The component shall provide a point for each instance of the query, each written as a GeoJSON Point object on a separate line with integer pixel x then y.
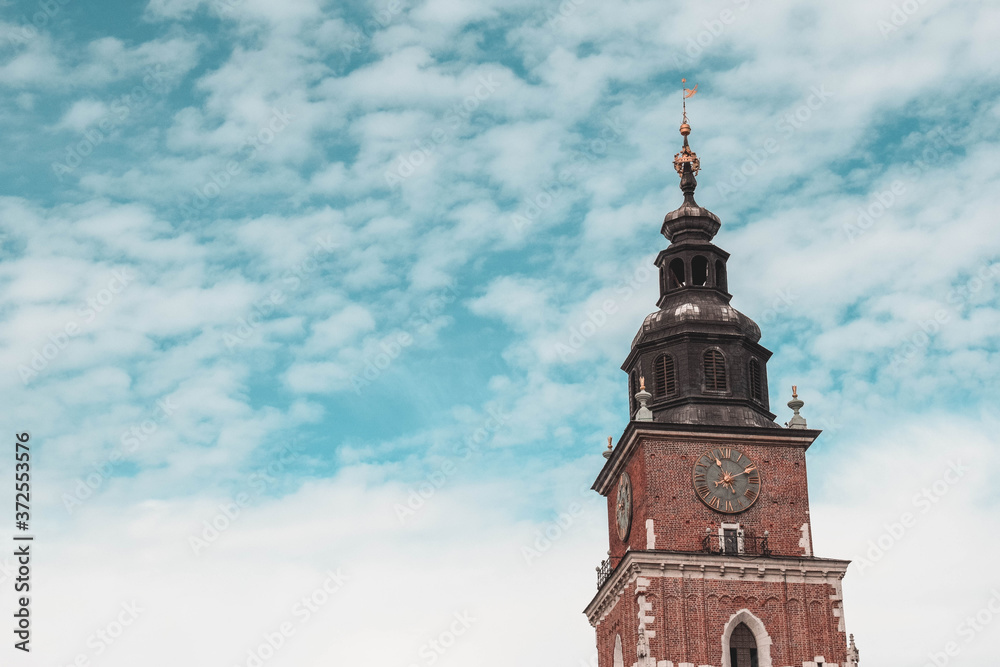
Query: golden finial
{"type": "Point", "coordinates": [686, 93]}
{"type": "Point", "coordinates": [642, 383]}
{"type": "Point", "coordinates": [609, 442]}
{"type": "Point", "coordinates": [686, 156]}
{"type": "Point", "coordinates": [607, 453]}
{"type": "Point", "coordinates": [795, 391]}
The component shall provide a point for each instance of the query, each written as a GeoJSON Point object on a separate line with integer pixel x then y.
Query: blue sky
{"type": "Point", "coordinates": [331, 255]}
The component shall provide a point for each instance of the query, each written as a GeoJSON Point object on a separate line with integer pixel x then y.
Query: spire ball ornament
{"type": "Point", "coordinates": [686, 156]}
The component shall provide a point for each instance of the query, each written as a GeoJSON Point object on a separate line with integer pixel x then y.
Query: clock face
{"type": "Point", "coordinates": [726, 480]}
{"type": "Point", "coordinates": [624, 506]}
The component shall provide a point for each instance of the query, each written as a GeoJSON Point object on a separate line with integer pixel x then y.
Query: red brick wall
{"type": "Point", "coordinates": [663, 490]}
{"type": "Point", "coordinates": [691, 615]}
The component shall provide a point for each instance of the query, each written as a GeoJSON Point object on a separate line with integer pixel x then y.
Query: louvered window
{"type": "Point", "coordinates": [664, 378]}
{"type": "Point", "coordinates": [756, 381]}
{"type": "Point", "coordinates": [715, 371]}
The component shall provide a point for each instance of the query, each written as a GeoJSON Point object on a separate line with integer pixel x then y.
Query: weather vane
{"type": "Point", "coordinates": [687, 92]}
{"type": "Point", "coordinates": [686, 156]}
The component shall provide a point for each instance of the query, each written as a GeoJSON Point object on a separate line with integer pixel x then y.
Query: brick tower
{"type": "Point", "coordinates": [711, 559]}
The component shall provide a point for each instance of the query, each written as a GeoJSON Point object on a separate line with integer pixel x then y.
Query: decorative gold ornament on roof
{"type": "Point", "coordinates": [686, 156]}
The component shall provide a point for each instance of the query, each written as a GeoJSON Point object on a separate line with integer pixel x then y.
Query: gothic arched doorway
{"type": "Point", "coordinates": [757, 646]}
{"type": "Point", "coordinates": [742, 647]}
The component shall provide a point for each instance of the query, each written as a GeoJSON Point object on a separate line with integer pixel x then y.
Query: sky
{"type": "Point", "coordinates": [305, 306]}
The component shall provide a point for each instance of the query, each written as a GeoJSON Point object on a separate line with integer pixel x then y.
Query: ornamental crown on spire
{"type": "Point", "coordinates": [686, 156]}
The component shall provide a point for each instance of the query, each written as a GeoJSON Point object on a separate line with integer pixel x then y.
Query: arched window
{"type": "Point", "coordinates": [676, 277]}
{"type": "Point", "coordinates": [720, 276]}
{"type": "Point", "coordinates": [742, 647]}
{"type": "Point", "coordinates": [633, 389]}
{"type": "Point", "coordinates": [664, 378]}
{"type": "Point", "coordinates": [699, 271]}
{"type": "Point", "coordinates": [756, 381]}
{"type": "Point", "coordinates": [715, 371]}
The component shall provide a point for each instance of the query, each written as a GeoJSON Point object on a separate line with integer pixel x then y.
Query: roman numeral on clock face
{"type": "Point", "coordinates": [726, 480]}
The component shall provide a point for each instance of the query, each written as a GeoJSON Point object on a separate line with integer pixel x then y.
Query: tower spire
{"type": "Point", "coordinates": [686, 163]}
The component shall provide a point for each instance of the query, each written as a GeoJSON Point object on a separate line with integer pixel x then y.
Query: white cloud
{"type": "Point", "coordinates": [437, 257]}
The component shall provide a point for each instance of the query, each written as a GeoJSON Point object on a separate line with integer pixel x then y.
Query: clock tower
{"type": "Point", "coordinates": [711, 559]}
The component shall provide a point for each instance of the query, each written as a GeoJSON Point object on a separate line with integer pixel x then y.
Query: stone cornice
{"type": "Point", "coordinates": [651, 564]}
{"type": "Point", "coordinates": [629, 440]}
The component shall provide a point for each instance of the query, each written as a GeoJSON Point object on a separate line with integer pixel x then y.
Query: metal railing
{"type": "Point", "coordinates": [733, 544]}
{"type": "Point", "coordinates": [730, 543]}
{"type": "Point", "coordinates": [604, 572]}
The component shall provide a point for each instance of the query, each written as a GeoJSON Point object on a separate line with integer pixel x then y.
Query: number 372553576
{"type": "Point", "coordinates": [22, 477]}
